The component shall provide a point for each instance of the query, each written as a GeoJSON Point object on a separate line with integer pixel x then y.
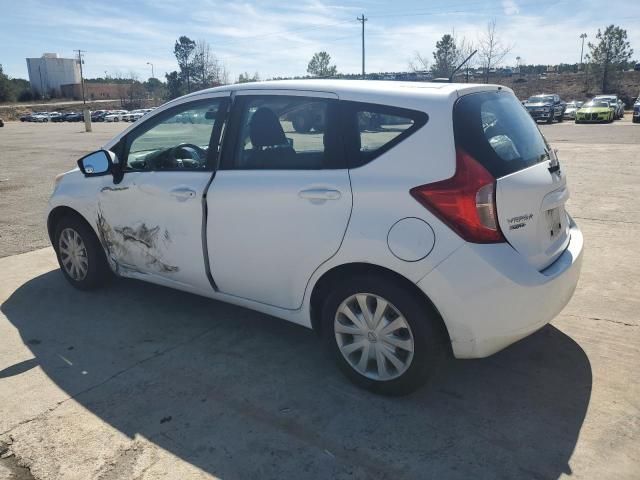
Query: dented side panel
{"type": "Point", "coordinates": [146, 230]}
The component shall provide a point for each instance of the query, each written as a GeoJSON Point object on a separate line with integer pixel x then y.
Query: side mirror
{"type": "Point", "coordinates": [96, 163]}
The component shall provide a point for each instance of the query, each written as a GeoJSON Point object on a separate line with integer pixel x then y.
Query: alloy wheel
{"type": "Point", "coordinates": [374, 337]}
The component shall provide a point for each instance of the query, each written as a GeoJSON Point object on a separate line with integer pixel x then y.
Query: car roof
{"type": "Point", "coordinates": [357, 86]}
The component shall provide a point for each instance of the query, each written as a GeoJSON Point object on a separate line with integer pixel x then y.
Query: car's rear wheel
{"type": "Point", "coordinates": [80, 255]}
{"type": "Point", "coordinates": [383, 337]}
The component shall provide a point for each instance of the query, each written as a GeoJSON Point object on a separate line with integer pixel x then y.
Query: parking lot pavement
{"type": "Point", "coordinates": [138, 381]}
{"type": "Point", "coordinates": [31, 155]}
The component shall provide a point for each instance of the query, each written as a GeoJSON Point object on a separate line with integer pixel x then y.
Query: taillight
{"type": "Point", "coordinates": [466, 202]}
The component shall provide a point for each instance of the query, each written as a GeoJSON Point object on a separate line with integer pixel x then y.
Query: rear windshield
{"type": "Point", "coordinates": [495, 129]}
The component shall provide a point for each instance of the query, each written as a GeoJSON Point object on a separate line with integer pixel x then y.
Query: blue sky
{"type": "Point", "coordinates": [277, 38]}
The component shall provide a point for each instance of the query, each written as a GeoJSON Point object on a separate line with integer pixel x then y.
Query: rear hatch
{"type": "Point", "coordinates": [531, 190]}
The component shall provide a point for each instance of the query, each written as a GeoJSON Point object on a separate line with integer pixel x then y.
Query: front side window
{"type": "Point", "coordinates": [279, 132]}
{"type": "Point", "coordinates": [178, 140]}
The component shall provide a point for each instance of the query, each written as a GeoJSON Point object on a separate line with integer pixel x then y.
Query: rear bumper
{"type": "Point", "coordinates": [489, 297]}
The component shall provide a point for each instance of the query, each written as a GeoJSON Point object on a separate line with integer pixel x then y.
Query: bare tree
{"type": "Point", "coordinates": [208, 71]}
{"type": "Point", "coordinates": [419, 63]}
{"type": "Point", "coordinates": [491, 49]}
{"type": "Point", "coordinates": [465, 49]}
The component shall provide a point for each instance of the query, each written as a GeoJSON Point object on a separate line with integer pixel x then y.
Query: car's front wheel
{"type": "Point", "coordinates": [80, 255]}
{"type": "Point", "coordinates": [383, 337]}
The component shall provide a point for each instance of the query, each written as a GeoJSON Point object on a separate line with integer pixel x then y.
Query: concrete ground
{"type": "Point", "coordinates": [138, 381]}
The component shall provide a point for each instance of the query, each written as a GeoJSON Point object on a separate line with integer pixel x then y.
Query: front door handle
{"type": "Point", "coordinates": [183, 193]}
{"type": "Point", "coordinates": [320, 194]}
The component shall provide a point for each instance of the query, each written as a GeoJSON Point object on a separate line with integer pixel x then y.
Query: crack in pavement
{"type": "Point", "coordinates": [618, 322]}
{"type": "Point", "coordinates": [607, 221]}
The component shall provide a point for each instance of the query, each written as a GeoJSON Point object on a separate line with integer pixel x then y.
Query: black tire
{"type": "Point", "coordinates": [550, 119]}
{"type": "Point", "coordinates": [302, 123]}
{"type": "Point", "coordinates": [561, 118]}
{"type": "Point", "coordinates": [98, 271]}
{"type": "Point", "coordinates": [430, 343]}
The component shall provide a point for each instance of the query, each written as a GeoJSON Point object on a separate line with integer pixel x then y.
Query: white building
{"type": "Point", "coordinates": [48, 72]}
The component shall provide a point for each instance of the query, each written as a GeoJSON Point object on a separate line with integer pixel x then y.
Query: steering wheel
{"type": "Point", "coordinates": [198, 155]}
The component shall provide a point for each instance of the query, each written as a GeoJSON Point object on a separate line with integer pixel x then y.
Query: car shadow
{"type": "Point", "coordinates": [243, 395]}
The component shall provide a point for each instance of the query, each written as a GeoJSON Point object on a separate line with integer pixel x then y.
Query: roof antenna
{"type": "Point", "coordinates": [462, 65]}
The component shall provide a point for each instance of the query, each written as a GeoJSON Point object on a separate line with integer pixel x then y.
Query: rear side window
{"type": "Point", "coordinates": [370, 129]}
{"type": "Point", "coordinates": [279, 132]}
{"type": "Point", "coordinates": [496, 130]}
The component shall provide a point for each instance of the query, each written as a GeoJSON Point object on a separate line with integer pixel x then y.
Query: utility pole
{"type": "Point", "coordinates": [362, 20]}
{"type": "Point", "coordinates": [583, 36]}
{"type": "Point", "coordinates": [80, 52]}
{"type": "Point", "coordinates": [152, 74]}
{"type": "Point", "coordinates": [41, 84]}
{"type": "Point", "coordinates": [87, 114]}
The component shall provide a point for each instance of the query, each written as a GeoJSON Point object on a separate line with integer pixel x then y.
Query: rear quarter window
{"type": "Point", "coordinates": [370, 129]}
{"type": "Point", "coordinates": [496, 130]}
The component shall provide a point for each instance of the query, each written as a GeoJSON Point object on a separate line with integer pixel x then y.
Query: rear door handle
{"type": "Point", "coordinates": [183, 193]}
{"type": "Point", "coordinates": [320, 194]}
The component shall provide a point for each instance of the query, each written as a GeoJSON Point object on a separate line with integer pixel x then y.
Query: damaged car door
{"type": "Point", "coordinates": [150, 221]}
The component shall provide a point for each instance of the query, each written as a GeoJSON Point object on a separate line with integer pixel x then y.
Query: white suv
{"type": "Point", "coordinates": [399, 220]}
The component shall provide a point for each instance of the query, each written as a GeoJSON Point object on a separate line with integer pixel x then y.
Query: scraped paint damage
{"type": "Point", "coordinates": [134, 245]}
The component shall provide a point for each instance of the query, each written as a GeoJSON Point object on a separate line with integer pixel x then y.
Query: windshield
{"type": "Point", "coordinates": [600, 104]}
{"type": "Point", "coordinates": [498, 132]}
{"type": "Point", "coordinates": [541, 99]}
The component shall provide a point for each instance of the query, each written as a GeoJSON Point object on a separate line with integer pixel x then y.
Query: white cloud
{"type": "Point", "coordinates": [510, 7]}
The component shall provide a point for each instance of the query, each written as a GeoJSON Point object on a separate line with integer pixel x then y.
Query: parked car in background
{"type": "Point", "coordinates": [27, 117]}
{"type": "Point", "coordinates": [1, 122]}
{"type": "Point", "coordinates": [74, 117]}
{"type": "Point", "coordinates": [595, 111]}
{"type": "Point", "coordinates": [571, 109]}
{"type": "Point", "coordinates": [636, 111]}
{"type": "Point", "coordinates": [132, 115]}
{"type": "Point", "coordinates": [340, 230]}
{"type": "Point", "coordinates": [547, 107]}
{"type": "Point", "coordinates": [98, 115]}
{"type": "Point", "coordinates": [44, 117]}
{"type": "Point", "coordinates": [616, 104]}
{"type": "Point", "coordinates": [57, 117]}
{"type": "Point", "coordinates": [115, 115]}
{"type": "Point", "coordinates": [32, 116]}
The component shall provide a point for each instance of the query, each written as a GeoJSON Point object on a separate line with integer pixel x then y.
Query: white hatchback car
{"type": "Point", "coordinates": [398, 220]}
